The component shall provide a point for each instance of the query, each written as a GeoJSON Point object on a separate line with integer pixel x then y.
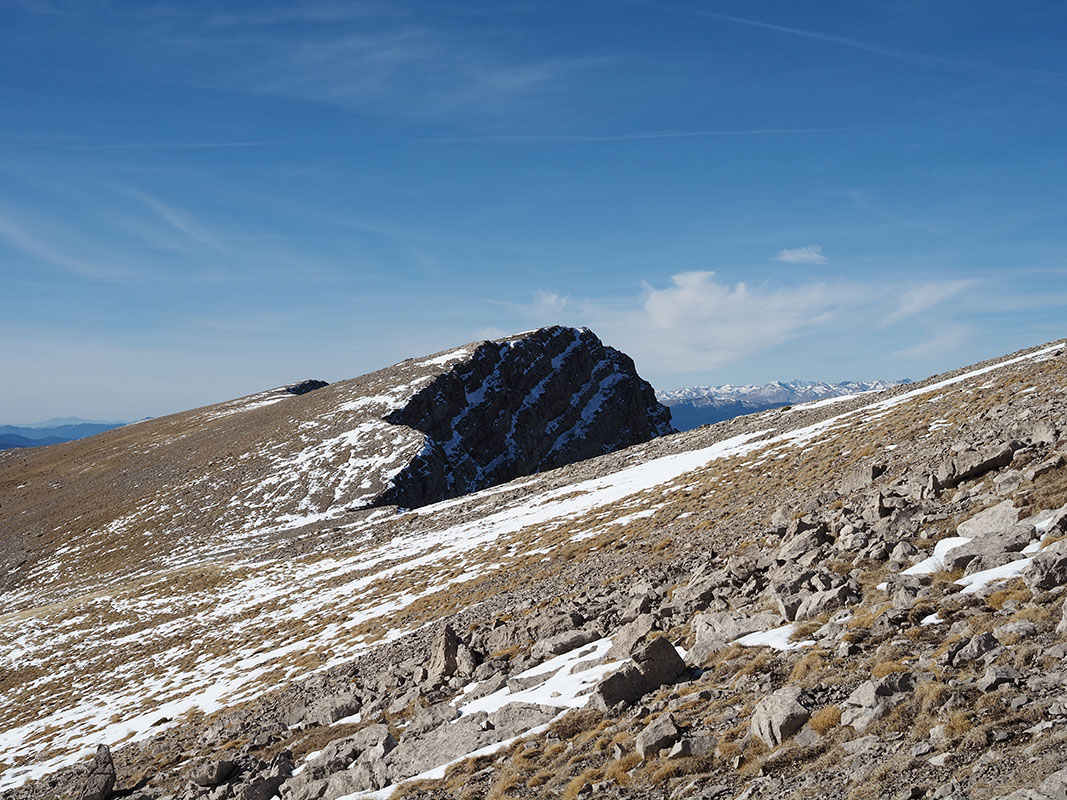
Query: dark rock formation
{"type": "Point", "coordinates": [304, 387]}
{"type": "Point", "coordinates": [522, 405]}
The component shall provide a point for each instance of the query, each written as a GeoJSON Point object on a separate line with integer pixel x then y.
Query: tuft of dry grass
{"type": "Point", "coordinates": [888, 668]}
{"type": "Point", "coordinates": [824, 719]}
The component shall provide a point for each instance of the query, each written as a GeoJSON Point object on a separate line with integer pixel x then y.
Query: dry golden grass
{"type": "Point", "coordinates": [888, 668]}
{"type": "Point", "coordinates": [807, 668]}
{"type": "Point", "coordinates": [825, 718]}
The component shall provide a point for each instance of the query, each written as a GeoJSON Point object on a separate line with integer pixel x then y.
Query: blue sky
{"type": "Point", "coordinates": [200, 200]}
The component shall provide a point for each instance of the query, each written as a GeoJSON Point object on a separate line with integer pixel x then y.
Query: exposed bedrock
{"type": "Point", "coordinates": [521, 405]}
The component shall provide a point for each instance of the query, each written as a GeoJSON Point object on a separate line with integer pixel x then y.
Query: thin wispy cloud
{"type": "Point", "coordinates": [700, 323]}
{"type": "Point", "coordinates": [808, 254]}
{"type": "Point", "coordinates": [925, 297]}
{"type": "Point", "coordinates": [550, 302]}
{"type": "Point", "coordinates": [56, 145]}
{"type": "Point", "coordinates": [176, 218]}
{"type": "Point", "coordinates": [872, 47]}
{"type": "Point", "coordinates": [697, 322]}
{"type": "Point", "coordinates": [941, 343]}
{"type": "Point", "coordinates": [19, 236]}
{"type": "Point", "coordinates": [639, 136]}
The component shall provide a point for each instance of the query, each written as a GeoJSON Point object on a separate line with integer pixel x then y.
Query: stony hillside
{"type": "Point", "coordinates": [237, 476]}
{"type": "Point", "coordinates": [856, 600]}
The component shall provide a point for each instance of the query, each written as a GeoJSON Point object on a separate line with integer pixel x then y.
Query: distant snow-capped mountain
{"type": "Point", "coordinates": [694, 406]}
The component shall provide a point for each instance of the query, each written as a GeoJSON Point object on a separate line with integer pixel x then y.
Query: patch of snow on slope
{"type": "Point", "coordinates": [777, 638]}
{"type": "Point", "coordinates": [564, 688]}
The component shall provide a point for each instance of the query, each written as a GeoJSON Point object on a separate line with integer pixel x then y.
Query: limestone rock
{"type": "Point", "coordinates": [629, 635]}
{"type": "Point", "coordinates": [1048, 569]}
{"type": "Point", "coordinates": [655, 663]}
{"type": "Point", "coordinates": [975, 648]}
{"type": "Point", "coordinates": [997, 518]}
{"type": "Point", "coordinates": [211, 772]}
{"type": "Point", "coordinates": [780, 715]}
{"type": "Point", "coordinates": [304, 387]}
{"type": "Point", "coordinates": [996, 677]}
{"type": "Point", "coordinates": [660, 734]}
{"type": "Point", "coordinates": [443, 656]}
{"type": "Point", "coordinates": [516, 718]}
{"type": "Point", "coordinates": [872, 699]}
{"type": "Point", "coordinates": [101, 778]}
{"type": "Point", "coordinates": [971, 463]}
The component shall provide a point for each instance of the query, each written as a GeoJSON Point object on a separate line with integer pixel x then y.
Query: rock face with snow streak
{"type": "Point", "coordinates": [519, 406]}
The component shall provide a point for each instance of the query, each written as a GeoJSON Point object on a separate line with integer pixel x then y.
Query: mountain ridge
{"type": "Point", "coordinates": [782, 554]}
{"type": "Point", "coordinates": [694, 406]}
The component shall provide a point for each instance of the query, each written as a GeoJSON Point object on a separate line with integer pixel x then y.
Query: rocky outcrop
{"type": "Point", "coordinates": [522, 405]}
{"type": "Point", "coordinates": [304, 387]}
{"type": "Point", "coordinates": [101, 778]}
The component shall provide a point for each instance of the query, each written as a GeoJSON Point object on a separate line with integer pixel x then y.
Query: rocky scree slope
{"type": "Point", "coordinates": [850, 601]}
{"type": "Point", "coordinates": [232, 476]}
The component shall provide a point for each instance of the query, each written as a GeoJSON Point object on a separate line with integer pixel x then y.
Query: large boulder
{"type": "Point", "coordinates": [441, 745]}
{"type": "Point", "coordinates": [211, 772]}
{"type": "Point", "coordinates": [658, 735]}
{"type": "Point", "coordinates": [629, 635]}
{"type": "Point", "coordinates": [972, 463]}
{"type": "Point", "coordinates": [1048, 568]}
{"type": "Point", "coordinates": [997, 518]}
{"type": "Point", "coordinates": [829, 600]}
{"type": "Point", "coordinates": [101, 778]}
{"type": "Point", "coordinates": [874, 698]}
{"type": "Point", "coordinates": [529, 403]}
{"type": "Point", "coordinates": [654, 663]}
{"type": "Point", "coordinates": [780, 715]}
{"type": "Point", "coordinates": [714, 629]}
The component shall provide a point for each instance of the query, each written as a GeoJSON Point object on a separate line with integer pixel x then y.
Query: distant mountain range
{"type": "Point", "coordinates": [703, 405]}
{"type": "Point", "coordinates": [52, 431]}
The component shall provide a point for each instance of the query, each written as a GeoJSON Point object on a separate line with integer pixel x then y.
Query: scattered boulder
{"type": "Point", "coordinates": [780, 715]}
{"type": "Point", "coordinates": [565, 642]}
{"type": "Point", "coordinates": [660, 734]}
{"type": "Point", "coordinates": [514, 719]}
{"type": "Point", "coordinates": [995, 677]}
{"type": "Point", "coordinates": [972, 463]}
{"type": "Point", "coordinates": [654, 663]}
{"type": "Point", "coordinates": [211, 772]}
{"type": "Point", "coordinates": [441, 745]}
{"type": "Point", "coordinates": [873, 699]}
{"type": "Point", "coordinates": [101, 778]}
{"type": "Point", "coordinates": [629, 635]}
{"type": "Point", "coordinates": [690, 746]}
{"type": "Point", "coordinates": [861, 477]}
{"type": "Point", "coordinates": [829, 600]}
{"type": "Point", "coordinates": [997, 518]}
{"type": "Point", "coordinates": [975, 648]}
{"type": "Point", "coordinates": [1054, 787]}
{"type": "Point", "coordinates": [713, 630]}
{"type": "Point", "coordinates": [1048, 568]}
